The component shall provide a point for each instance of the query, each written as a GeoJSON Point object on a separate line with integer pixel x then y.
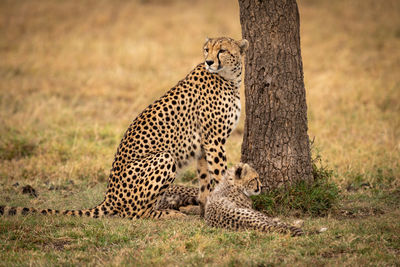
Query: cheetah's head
{"type": "Point", "coordinates": [223, 55]}
{"type": "Point", "coordinates": [247, 179]}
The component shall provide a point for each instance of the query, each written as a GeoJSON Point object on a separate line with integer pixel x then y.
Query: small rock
{"type": "Point", "coordinates": [323, 229]}
{"type": "Point", "coordinates": [16, 184]}
{"type": "Point", "coordinates": [29, 190]}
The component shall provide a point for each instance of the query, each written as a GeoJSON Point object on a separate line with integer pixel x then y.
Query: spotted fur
{"type": "Point", "coordinates": [178, 196]}
{"type": "Point", "coordinates": [229, 205]}
{"type": "Point", "coordinates": [192, 120]}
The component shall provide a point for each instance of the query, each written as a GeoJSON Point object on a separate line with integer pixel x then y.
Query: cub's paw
{"type": "Point", "coordinates": [190, 210]}
{"type": "Point", "coordinates": [171, 214]}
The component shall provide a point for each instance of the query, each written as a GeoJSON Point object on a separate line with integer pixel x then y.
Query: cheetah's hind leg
{"type": "Point", "coordinates": [143, 182]}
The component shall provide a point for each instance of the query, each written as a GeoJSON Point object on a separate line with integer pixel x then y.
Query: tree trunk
{"type": "Point", "coordinates": [275, 138]}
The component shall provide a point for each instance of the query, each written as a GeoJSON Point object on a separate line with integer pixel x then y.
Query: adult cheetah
{"type": "Point", "coordinates": [192, 120]}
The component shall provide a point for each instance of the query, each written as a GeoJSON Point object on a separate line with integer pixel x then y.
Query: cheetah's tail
{"type": "Point", "coordinates": [295, 231]}
{"type": "Point", "coordinates": [96, 212]}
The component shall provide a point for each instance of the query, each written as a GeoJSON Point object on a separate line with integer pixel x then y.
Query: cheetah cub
{"type": "Point", "coordinates": [229, 205]}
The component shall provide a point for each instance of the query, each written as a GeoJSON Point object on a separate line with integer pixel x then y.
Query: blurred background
{"type": "Point", "coordinates": [73, 74]}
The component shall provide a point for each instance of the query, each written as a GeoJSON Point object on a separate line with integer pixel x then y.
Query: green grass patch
{"type": "Point", "coordinates": [315, 198]}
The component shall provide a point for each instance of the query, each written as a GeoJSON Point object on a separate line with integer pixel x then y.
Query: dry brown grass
{"type": "Point", "coordinates": [73, 75]}
{"type": "Point", "coordinates": [351, 65]}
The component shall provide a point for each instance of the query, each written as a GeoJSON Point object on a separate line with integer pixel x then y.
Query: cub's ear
{"type": "Point", "coordinates": [207, 39]}
{"type": "Point", "coordinates": [241, 170]}
{"type": "Point", "coordinates": [238, 172]}
{"type": "Point", "coordinates": [243, 45]}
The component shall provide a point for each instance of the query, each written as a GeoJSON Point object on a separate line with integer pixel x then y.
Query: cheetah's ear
{"type": "Point", "coordinates": [207, 39]}
{"type": "Point", "coordinates": [243, 45]}
{"type": "Point", "coordinates": [238, 172]}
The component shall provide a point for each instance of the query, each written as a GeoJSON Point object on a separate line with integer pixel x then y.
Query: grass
{"type": "Point", "coordinates": [44, 241]}
{"type": "Point", "coordinates": [15, 145]}
{"type": "Point", "coordinates": [74, 76]}
{"type": "Point", "coordinates": [318, 198]}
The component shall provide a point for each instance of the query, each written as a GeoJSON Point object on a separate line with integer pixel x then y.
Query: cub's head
{"type": "Point", "coordinates": [223, 55]}
{"type": "Point", "coordinates": [247, 179]}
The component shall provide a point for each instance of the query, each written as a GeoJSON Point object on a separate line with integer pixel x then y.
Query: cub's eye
{"type": "Point", "coordinates": [253, 183]}
{"type": "Point", "coordinates": [206, 50]}
{"type": "Point", "coordinates": [222, 50]}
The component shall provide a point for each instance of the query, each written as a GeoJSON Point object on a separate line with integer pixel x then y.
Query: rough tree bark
{"type": "Point", "coordinates": [275, 138]}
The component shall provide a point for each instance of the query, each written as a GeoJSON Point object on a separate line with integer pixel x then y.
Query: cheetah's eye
{"type": "Point", "coordinates": [206, 50]}
{"type": "Point", "coordinates": [222, 50]}
{"type": "Point", "coordinates": [253, 183]}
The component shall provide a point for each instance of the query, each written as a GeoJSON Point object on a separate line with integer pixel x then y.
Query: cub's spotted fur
{"type": "Point", "coordinates": [229, 205]}
{"type": "Point", "coordinates": [192, 120]}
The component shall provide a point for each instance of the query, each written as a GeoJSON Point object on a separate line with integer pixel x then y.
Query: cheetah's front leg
{"type": "Point", "coordinates": [204, 182]}
{"type": "Point", "coordinates": [211, 167]}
